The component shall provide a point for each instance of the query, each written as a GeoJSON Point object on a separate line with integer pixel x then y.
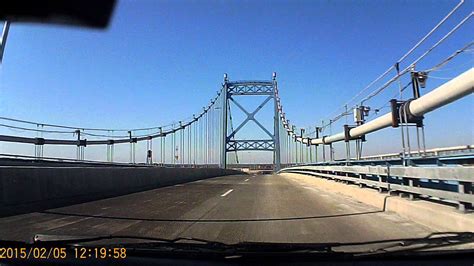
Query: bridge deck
{"type": "Point", "coordinates": [269, 208]}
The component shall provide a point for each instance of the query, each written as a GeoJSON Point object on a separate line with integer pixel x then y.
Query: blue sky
{"type": "Point", "coordinates": [161, 61]}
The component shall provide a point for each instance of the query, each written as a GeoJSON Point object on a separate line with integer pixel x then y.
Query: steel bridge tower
{"type": "Point", "coordinates": [250, 88]}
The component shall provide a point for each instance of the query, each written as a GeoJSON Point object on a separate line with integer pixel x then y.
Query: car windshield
{"type": "Point", "coordinates": [236, 127]}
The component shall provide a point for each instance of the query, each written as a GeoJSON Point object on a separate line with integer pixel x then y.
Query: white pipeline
{"type": "Point", "coordinates": [451, 91]}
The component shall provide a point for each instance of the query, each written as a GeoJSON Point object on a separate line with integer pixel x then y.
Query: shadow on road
{"type": "Point", "coordinates": [209, 220]}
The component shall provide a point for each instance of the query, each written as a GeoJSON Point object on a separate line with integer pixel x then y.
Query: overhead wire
{"type": "Point", "coordinates": [37, 130]}
{"type": "Point", "coordinates": [449, 58]}
{"type": "Point", "coordinates": [421, 41]}
{"type": "Point", "coordinates": [106, 129]}
{"type": "Point", "coordinates": [407, 70]}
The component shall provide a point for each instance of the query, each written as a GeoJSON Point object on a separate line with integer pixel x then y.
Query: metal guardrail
{"type": "Point", "coordinates": [445, 183]}
{"type": "Point", "coordinates": [458, 150]}
{"type": "Point", "coordinates": [25, 160]}
{"type": "Point", "coordinates": [458, 155]}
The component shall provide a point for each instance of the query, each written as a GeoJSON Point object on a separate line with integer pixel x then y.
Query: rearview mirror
{"type": "Point", "coordinates": [85, 13]}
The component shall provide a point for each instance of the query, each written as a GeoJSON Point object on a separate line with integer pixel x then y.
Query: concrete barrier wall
{"type": "Point", "coordinates": [441, 218]}
{"type": "Point", "coordinates": [40, 187]}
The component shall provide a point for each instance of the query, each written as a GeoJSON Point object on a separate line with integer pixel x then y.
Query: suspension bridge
{"type": "Point", "coordinates": [187, 180]}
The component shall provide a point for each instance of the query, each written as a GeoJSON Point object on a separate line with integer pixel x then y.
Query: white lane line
{"type": "Point", "coordinates": [227, 193]}
{"type": "Point", "coordinates": [246, 180]}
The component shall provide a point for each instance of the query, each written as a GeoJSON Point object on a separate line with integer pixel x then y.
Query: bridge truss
{"type": "Point", "coordinates": [231, 92]}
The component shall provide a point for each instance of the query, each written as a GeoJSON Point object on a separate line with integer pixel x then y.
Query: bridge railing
{"type": "Point", "coordinates": [458, 150]}
{"type": "Point", "coordinates": [445, 184]}
{"type": "Point", "coordinates": [25, 160]}
{"type": "Point", "coordinates": [457, 155]}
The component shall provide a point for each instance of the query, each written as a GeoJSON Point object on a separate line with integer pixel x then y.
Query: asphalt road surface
{"type": "Point", "coordinates": [263, 208]}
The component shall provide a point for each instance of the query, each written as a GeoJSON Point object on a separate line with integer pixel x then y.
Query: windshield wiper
{"type": "Point", "coordinates": [185, 244]}
{"type": "Point", "coordinates": [432, 242]}
{"type": "Point", "coordinates": [74, 239]}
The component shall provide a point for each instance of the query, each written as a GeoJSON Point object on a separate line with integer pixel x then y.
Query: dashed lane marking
{"type": "Point", "coordinates": [227, 193]}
